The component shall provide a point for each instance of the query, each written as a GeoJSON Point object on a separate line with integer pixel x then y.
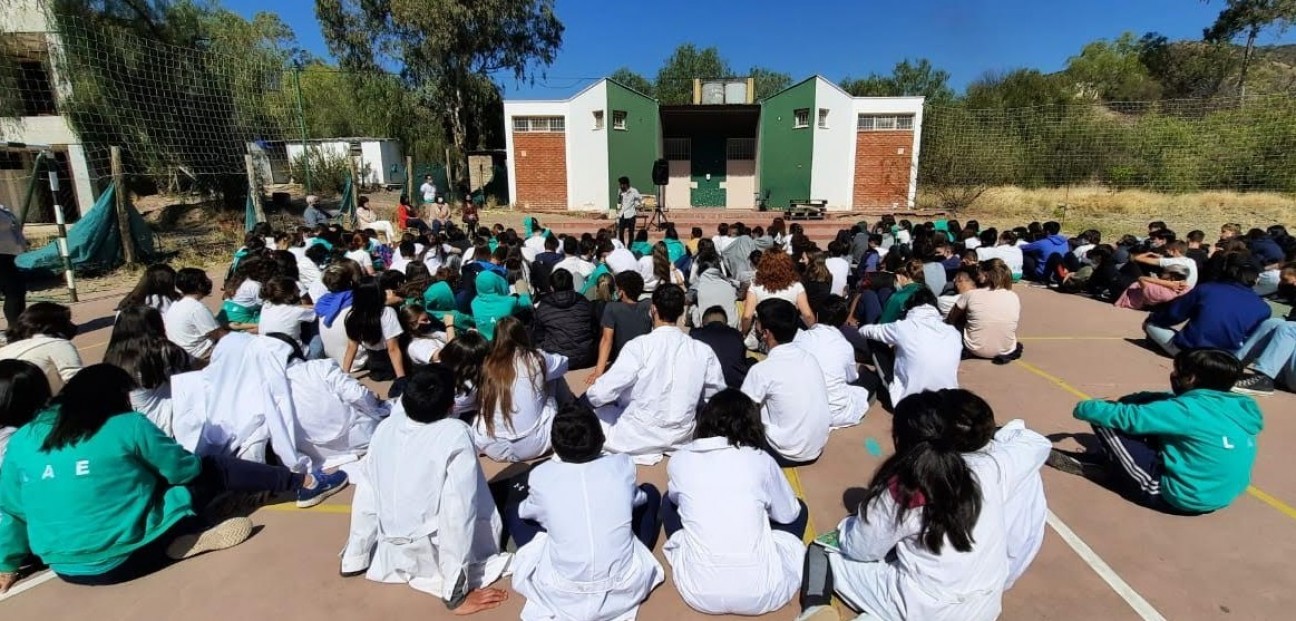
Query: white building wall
{"type": "Point", "coordinates": [379, 156]}
{"type": "Point", "coordinates": [587, 150]}
{"type": "Point", "coordinates": [833, 169]}
{"type": "Point", "coordinates": [894, 105]}
{"type": "Point", "coordinates": [23, 16]}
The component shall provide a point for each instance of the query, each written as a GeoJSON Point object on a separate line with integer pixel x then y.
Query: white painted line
{"type": "Point", "coordinates": [29, 582]}
{"type": "Point", "coordinates": [1104, 571]}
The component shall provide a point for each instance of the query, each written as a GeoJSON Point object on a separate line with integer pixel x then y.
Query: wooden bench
{"type": "Point", "coordinates": [807, 209]}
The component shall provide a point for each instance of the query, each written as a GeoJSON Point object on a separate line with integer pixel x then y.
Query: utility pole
{"type": "Point", "coordinates": [301, 121]}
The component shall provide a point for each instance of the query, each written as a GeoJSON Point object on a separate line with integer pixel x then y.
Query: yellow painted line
{"type": "Point", "coordinates": [92, 345]}
{"type": "Point", "coordinates": [794, 480]}
{"type": "Point", "coordinates": [1255, 492]}
{"type": "Point", "coordinates": [1070, 338]}
{"type": "Point", "coordinates": [291, 508]}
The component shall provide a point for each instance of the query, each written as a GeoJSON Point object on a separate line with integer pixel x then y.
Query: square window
{"type": "Point", "coordinates": [521, 124]}
{"type": "Point", "coordinates": [557, 124]}
{"type": "Point", "coordinates": [618, 119]}
{"type": "Point", "coordinates": [598, 119]}
{"type": "Point", "coordinates": [865, 123]}
{"type": "Point", "coordinates": [884, 123]}
{"type": "Point", "coordinates": [801, 118]}
{"type": "Point", "coordinates": [905, 122]}
{"type": "Point", "coordinates": [823, 118]}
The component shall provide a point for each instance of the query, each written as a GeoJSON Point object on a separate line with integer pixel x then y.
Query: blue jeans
{"type": "Point", "coordinates": [1162, 338]}
{"type": "Point", "coordinates": [1272, 348]}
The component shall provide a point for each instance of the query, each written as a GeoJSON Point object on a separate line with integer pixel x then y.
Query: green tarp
{"type": "Point", "coordinates": [94, 242]}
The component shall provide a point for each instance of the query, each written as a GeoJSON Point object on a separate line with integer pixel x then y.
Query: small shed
{"type": "Point", "coordinates": [380, 160]}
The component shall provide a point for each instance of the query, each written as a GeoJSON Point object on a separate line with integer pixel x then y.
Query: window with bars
{"type": "Point", "coordinates": [35, 89]}
{"type": "Point", "coordinates": [539, 124]}
{"type": "Point", "coordinates": [801, 118]}
{"type": "Point", "coordinates": [618, 119]}
{"type": "Point", "coordinates": [740, 149]}
{"type": "Point", "coordinates": [823, 118]}
{"type": "Point", "coordinates": [885, 122]}
{"type": "Point", "coordinates": [680, 149]}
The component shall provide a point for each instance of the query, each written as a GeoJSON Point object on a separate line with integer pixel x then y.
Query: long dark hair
{"type": "Point", "coordinates": [465, 355]}
{"type": "Point", "coordinates": [43, 318]}
{"type": "Point", "coordinates": [732, 415]}
{"type": "Point", "coordinates": [24, 391]}
{"type": "Point", "coordinates": [364, 323]}
{"type": "Point", "coordinates": [140, 347]}
{"type": "Point", "coordinates": [500, 370]}
{"type": "Point", "coordinates": [931, 431]}
{"type": "Point", "coordinates": [94, 395]}
{"type": "Point", "coordinates": [157, 280]}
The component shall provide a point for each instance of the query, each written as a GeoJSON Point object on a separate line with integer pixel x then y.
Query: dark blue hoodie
{"type": "Point", "coordinates": [1045, 248]}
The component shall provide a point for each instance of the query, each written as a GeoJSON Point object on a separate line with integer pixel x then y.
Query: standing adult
{"type": "Point", "coordinates": [630, 202]}
{"type": "Point", "coordinates": [12, 244]}
{"type": "Point", "coordinates": [428, 190]}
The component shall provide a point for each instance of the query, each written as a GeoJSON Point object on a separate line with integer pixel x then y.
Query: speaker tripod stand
{"type": "Point", "coordinates": [659, 220]}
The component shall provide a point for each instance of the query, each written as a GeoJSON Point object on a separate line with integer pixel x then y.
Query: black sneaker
{"type": "Point", "coordinates": [1075, 463]}
{"type": "Point", "coordinates": [1258, 385]}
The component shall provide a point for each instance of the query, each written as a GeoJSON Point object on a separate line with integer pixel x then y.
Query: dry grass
{"type": "Point", "coordinates": [1128, 211]}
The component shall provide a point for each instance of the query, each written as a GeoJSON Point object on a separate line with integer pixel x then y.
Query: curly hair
{"type": "Point", "coordinates": [776, 272]}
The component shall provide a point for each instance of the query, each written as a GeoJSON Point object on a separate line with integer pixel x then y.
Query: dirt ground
{"type": "Point", "coordinates": [1103, 558]}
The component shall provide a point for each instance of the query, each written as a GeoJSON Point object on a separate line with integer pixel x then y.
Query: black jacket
{"type": "Point", "coordinates": [565, 324]}
{"type": "Point", "coordinates": [727, 343]}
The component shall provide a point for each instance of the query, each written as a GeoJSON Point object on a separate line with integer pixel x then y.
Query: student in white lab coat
{"type": "Point", "coordinates": [847, 401]}
{"type": "Point", "coordinates": [789, 386]}
{"type": "Point", "coordinates": [935, 535]}
{"type": "Point", "coordinates": [733, 524]}
{"type": "Point", "coordinates": [927, 350]}
{"type": "Point", "coordinates": [422, 513]}
{"type": "Point", "coordinates": [516, 401]}
{"type": "Point", "coordinates": [585, 531]}
{"type": "Point", "coordinates": [649, 397]}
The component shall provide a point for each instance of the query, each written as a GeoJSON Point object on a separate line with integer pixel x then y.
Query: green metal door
{"type": "Point", "coordinates": [708, 171]}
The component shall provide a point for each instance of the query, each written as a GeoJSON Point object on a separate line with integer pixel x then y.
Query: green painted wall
{"type": "Point", "coordinates": [632, 151]}
{"type": "Point", "coordinates": [708, 159]}
{"type": "Point", "coordinates": [786, 151]}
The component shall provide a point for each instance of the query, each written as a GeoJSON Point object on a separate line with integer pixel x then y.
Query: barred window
{"type": "Point", "coordinates": [885, 122]}
{"type": "Point", "coordinates": [539, 124]}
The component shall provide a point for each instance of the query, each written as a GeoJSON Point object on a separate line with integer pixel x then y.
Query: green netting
{"type": "Point", "coordinates": [344, 215]}
{"type": "Point", "coordinates": [94, 242]}
{"type": "Point", "coordinates": [249, 215]}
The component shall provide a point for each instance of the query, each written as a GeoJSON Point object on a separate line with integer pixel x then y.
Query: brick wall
{"type": "Point", "coordinates": [540, 161]}
{"type": "Point", "coordinates": [882, 166]}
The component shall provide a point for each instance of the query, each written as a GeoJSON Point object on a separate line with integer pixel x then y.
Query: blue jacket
{"type": "Point", "coordinates": [1045, 248]}
{"type": "Point", "coordinates": [1220, 315]}
{"type": "Point", "coordinates": [1267, 250]}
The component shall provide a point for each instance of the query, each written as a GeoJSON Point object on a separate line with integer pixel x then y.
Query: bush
{"type": "Point", "coordinates": [329, 170]}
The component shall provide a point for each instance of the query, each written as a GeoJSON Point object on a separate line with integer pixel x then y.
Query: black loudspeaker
{"type": "Point", "coordinates": [661, 172]}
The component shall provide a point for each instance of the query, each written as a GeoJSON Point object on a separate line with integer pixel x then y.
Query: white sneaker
{"type": "Point", "coordinates": [225, 535]}
{"type": "Point", "coordinates": [819, 613]}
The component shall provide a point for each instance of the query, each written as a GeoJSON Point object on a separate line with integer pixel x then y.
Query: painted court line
{"type": "Point", "coordinates": [1070, 338]}
{"type": "Point", "coordinates": [30, 582]}
{"type": "Point", "coordinates": [794, 480]}
{"type": "Point", "coordinates": [1253, 491]}
{"type": "Point", "coordinates": [1104, 571]}
{"type": "Point", "coordinates": [290, 508]}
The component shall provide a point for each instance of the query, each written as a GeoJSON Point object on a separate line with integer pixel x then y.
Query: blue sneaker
{"type": "Point", "coordinates": [325, 485]}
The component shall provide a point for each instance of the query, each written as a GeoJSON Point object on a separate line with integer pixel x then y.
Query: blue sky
{"type": "Point", "coordinates": [837, 38]}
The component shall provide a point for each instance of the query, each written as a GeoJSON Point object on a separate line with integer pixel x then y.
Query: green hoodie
{"type": "Point", "coordinates": [1207, 438]}
{"type": "Point", "coordinates": [894, 308]}
{"type": "Point", "coordinates": [494, 302]}
{"type": "Point", "coordinates": [439, 301]}
{"type": "Point", "coordinates": [85, 508]}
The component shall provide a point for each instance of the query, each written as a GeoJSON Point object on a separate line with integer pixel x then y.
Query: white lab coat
{"type": "Point", "coordinates": [533, 410]}
{"type": "Point", "coordinates": [648, 399]}
{"type": "Point", "coordinates": [727, 559]}
{"type": "Point", "coordinates": [847, 403]}
{"type": "Point", "coordinates": [422, 513]}
{"type": "Point", "coordinates": [952, 585]}
{"type": "Point", "coordinates": [789, 386]}
{"type": "Point", "coordinates": [1027, 507]}
{"type": "Point", "coordinates": [155, 404]}
{"type": "Point", "coordinates": [587, 565]}
{"type": "Point", "coordinates": [927, 351]}
{"type": "Point", "coordinates": [336, 414]}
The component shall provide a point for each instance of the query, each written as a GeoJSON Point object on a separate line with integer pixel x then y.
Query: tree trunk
{"type": "Point", "coordinates": [1246, 60]}
{"type": "Point", "coordinates": [459, 134]}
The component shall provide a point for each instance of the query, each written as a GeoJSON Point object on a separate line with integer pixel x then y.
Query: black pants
{"type": "Point", "coordinates": [218, 474]}
{"type": "Point", "coordinates": [626, 230]}
{"type": "Point", "coordinates": [13, 288]}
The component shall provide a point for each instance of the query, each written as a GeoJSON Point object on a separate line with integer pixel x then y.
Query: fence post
{"type": "Point", "coordinates": [355, 190]}
{"type": "Point", "coordinates": [409, 179]}
{"type": "Point", "coordinates": [62, 232]}
{"type": "Point", "coordinates": [301, 120]}
{"type": "Point", "coordinates": [450, 182]}
{"type": "Point", "coordinates": [119, 198]}
{"type": "Point", "coordinates": [254, 188]}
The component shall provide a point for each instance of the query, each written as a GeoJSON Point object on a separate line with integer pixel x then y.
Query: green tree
{"type": "Point", "coordinates": [686, 63]}
{"type": "Point", "coordinates": [768, 81]}
{"type": "Point", "coordinates": [632, 80]}
{"type": "Point", "coordinates": [1112, 71]}
{"type": "Point", "coordinates": [449, 51]}
{"type": "Point", "coordinates": [1020, 88]}
{"type": "Point", "coordinates": [1185, 69]}
{"type": "Point", "coordinates": [1249, 18]}
{"type": "Point", "coordinates": [907, 79]}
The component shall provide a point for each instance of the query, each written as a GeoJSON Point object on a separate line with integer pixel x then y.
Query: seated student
{"type": "Point", "coordinates": [727, 344]}
{"type": "Point", "coordinates": [1272, 347]}
{"type": "Point", "coordinates": [656, 268]}
{"type": "Point", "coordinates": [964, 280]}
{"type": "Point", "coordinates": [494, 302]}
{"type": "Point", "coordinates": [188, 323]}
{"type": "Point", "coordinates": [927, 350]}
{"type": "Point", "coordinates": [439, 302]}
{"type": "Point", "coordinates": [909, 279]}
{"type": "Point", "coordinates": [648, 399]}
{"type": "Point", "coordinates": [424, 338]}
{"type": "Point", "coordinates": [156, 288]}
{"type": "Point", "coordinates": [1038, 253]}
{"type": "Point", "coordinates": [847, 402]}
{"type": "Point", "coordinates": [734, 527]}
{"type": "Point", "coordinates": [584, 529]}
{"type": "Point", "coordinates": [1175, 254]}
{"type": "Point", "coordinates": [90, 446]}
{"type": "Point", "coordinates": [988, 316]}
{"type": "Point", "coordinates": [574, 262]}
{"type": "Point", "coordinates": [1007, 250]}
{"type": "Point", "coordinates": [24, 393]}
{"type": "Point", "coordinates": [948, 523]}
{"type": "Point", "coordinates": [709, 287]}
{"type": "Point", "coordinates": [283, 311]}
{"type": "Point", "coordinates": [640, 247]}
{"type": "Point", "coordinates": [465, 356]}
{"type": "Point", "coordinates": [1190, 452]}
{"type": "Point", "coordinates": [516, 396]}
{"type": "Point", "coordinates": [564, 323]}
{"type": "Point", "coordinates": [140, 347]}
{"type": "Point", "coordinates": [242, 305]}
{"type": "Point", "coordinates": [422, 513]}
{"type": "Point", "coordinates": [373, 326]}
{"type": "Point", "coordinates": [1219, 315]}
{"type": "Point", "coordinates": [623, 320]}
{"type": "Point", "coordinates": [788, 385]}
{"type": "Point", "coordinates": [1152, 291]}
{"type": "Point", "coordinates": [43, 336]}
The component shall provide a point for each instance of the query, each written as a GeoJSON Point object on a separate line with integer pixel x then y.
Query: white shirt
{"type": "Point", "coordinates": [840, 270]}
{"type": "Point", "coordinates": [721, 242]}
{"type": "Point", "coordinates": [535, 243]}
{"type": "Point", "coordinates": [587, 563]}
{"type": "Point", "coordinates": [308, 273]}
{"type": "Point", "coordinates": [58, 358]}
{"type": "Point", "coordinates": [847, 404]}
{"type": "Point", "coordinates": [429, 191]}
{"type": "Point", "coordinates": [971, 243]}
{"type": "Point", "coordinates": [285, 319]}
{"type": "Point", "coordinates": [1186, 262]}
{"type": "Point", "coordinates": [927, 351]}
{"type": "Point", "coordinates": [789, 386]}
{"type": "Point", "coordinates": [363, 258]}
{"type": "Point", "coordinates": [631, 201]}
{"type": "Point", "coordinates": [423, 350]}
{"type": "Point", "coordinates": [187, 324]}
{"type": "Point", "coordinates": [390, 323]}
{"type": "Point", "coordinates": [952, 585]}
{"type": "Point", "coordinates": [727, 559]}
{"type": "Point", "coordinates": [248, 294]}
{"type": "Point", "coordinates": [335, 342]}
{"type": "Point", "coordinates": [579, 268]}
{"type": "Point", "coordinates": [652, 392]}
{"type": "Point", "coordinates": [422, 513]}
{"type": "Point", "coordinates": [399, 263]}
{"type": "Point", "coordinates": [533, 410]}
{"type": "Point", "coordinates": [1010, 255]}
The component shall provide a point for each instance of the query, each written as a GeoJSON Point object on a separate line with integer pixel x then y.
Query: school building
{"type": "Point", "coordinates": [809, 143]}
